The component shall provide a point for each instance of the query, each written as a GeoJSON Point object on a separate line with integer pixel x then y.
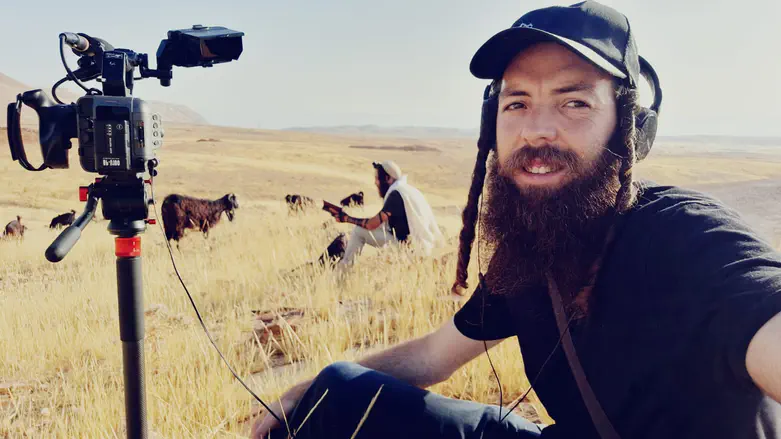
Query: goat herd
{"type": "Point", "coordinates": [180, 212]}
{"type": "Point", "coordinates": [297, 202]}
{"type": "Point", "coordinates": [15, 228]}
{"type": "Point", "coordinates": [335, 250]}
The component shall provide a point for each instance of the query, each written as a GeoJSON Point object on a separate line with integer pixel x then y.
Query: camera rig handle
{"type": "Point", "coordinates": [56, 126]}
{"type": "Point", "coordinates": [68, 238]}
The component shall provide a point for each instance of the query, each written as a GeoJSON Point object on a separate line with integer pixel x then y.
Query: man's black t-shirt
{"type": "Point", "coordinates": [398, 216]}
{"type": "Point", "coordinates": [684, 287]}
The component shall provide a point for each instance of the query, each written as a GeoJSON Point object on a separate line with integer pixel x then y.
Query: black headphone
{"type": "Point", "coordinates": [646, 119]}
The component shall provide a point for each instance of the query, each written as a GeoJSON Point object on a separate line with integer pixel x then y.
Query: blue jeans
{"type": "Point", "coordinates": [401, 411]}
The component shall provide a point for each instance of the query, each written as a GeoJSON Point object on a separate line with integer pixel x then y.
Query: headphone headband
{"type": "Point", "coordinates": [648, 72]}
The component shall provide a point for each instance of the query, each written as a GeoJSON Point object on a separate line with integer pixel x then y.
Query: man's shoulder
{"type": "Point", "coordinates": [395, 196]}
{"type": "Point", "coordinates": [670, 210]}
{"type": "Point", "coordinates": [394, 201]}
{"type": "Point", "coordinates": [652, 196]}
{"type": "Point", "coordinates": [657, 201]}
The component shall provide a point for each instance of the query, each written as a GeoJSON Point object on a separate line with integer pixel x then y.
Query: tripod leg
{"type": "Point", "coordinates": [131, 329]}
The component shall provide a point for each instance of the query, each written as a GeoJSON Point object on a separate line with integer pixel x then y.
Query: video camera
{"type": "Point", "coordinates": [117, 133]}
{"type": "Point", "coordinates": [118, 137]}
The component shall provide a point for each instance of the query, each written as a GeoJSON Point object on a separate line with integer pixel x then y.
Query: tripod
{"type": "Point", "coordinates": [125, 205]}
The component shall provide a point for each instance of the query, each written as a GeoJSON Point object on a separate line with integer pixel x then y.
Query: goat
{"type": "Point", "coordinates": [64, 219]}
{"type": "Point", "coordinates": [180, 212]}
{"type": "Point", "coordinates": [297, 203]}
{"type": "Point", "coordinates": [334, 251]}
{"type": "Point", "coordinates": [355, 199]}
{"type": "Point", "coordinates": [332, 254]}
{"type": "Point", "coordinates": [15, 228]}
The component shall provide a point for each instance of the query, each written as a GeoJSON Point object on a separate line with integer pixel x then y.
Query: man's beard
{"type": "Point", "coordinates": [383, 188]}
{"type": "Point", "coordinates": [533, 230]}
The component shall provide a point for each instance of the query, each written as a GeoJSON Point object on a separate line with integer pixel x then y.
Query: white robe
{"type": "Point", "coordinates": [423, 228]}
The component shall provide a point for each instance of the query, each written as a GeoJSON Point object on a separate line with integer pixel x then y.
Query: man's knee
{"type": "Point", "coordinates": [338, 373]}
{"type": "Point", "coordinates": [359, 231]}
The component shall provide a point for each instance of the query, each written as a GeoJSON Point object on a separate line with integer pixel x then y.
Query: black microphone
{"type": "Point", "coordinates": [76, 41]}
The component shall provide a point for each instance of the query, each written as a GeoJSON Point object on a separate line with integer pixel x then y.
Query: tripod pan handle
{"type": "Point", "coordinates": [63, 244]}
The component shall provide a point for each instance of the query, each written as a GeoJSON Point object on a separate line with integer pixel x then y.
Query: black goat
{"type": "Point", "coordinates": [355, 199]}
{"type": "Point", "coordinates": [334, 251]}
{"type": "Point", "coordinates": [62, 220]}
{"type": "Point", "coordinates": [297, 203]}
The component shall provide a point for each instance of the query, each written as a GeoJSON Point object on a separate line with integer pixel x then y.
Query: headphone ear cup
{"type": "Point", "coordinates": [645, 127]}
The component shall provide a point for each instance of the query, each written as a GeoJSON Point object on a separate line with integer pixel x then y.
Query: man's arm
{"type": "Point", "coordinates": [367, 223]}
{"type": "Point", "coordinates": [763, 358]}
{"type": "Point", "coordinates": [430, 359]}
{"type": "Point", "coordinates": [394, 204]}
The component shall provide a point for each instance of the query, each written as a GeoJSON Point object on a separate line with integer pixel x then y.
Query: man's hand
{"type": "Point", "coordinates": [336, 212]}
{"type": "Point", "coordinates": [262, 426]}
{"type": "Point", "coordinates": [339, 216]}
{"type": "Point", "coordinates": [763, 358]}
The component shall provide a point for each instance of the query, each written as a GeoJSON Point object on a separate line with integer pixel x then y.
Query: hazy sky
{"type": "Point", "coordinates": [405, 62]}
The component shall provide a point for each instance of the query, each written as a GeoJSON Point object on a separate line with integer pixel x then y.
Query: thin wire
{"type": "Point", "coordinates": [171, 253]}
{"type": "Point", "coordinates": [483, 292]}
{"type": "Point", "coordinates": [539, 372]}
{"type": "Point", "coordinates": [485, 345]}
{"type": "Point", "coordinates": [613, 153]}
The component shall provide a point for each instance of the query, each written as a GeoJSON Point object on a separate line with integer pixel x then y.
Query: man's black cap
{"type": "Point", "coordinates": [597, 32]}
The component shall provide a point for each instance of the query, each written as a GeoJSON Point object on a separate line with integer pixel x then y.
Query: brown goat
{"type": "Point", "coordinates": [15, 228]}
{"type": "Point", "coordinates": [180, 212]}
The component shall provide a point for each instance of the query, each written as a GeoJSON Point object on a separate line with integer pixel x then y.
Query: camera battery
{"type": "Point", "coordinates": [112, 142]}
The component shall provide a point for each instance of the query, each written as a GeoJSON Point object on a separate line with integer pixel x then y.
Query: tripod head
{"type": "Point", "coordinates": [125, 205]}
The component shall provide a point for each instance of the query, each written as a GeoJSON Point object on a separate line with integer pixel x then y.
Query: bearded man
{"type": "Point", "coordinates": [406, 217]}
{"type": "Point", "coordinates": [641, 311]}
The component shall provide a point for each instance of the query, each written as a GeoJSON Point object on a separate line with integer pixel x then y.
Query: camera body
{"type": "Point", "coordinates": [117, 134]}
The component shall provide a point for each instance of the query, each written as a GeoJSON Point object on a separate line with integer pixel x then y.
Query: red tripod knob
{"type": "Point", "coordinates": [127, 247]}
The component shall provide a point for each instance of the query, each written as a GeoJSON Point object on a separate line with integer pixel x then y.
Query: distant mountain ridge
{"type": "Point", "coordinates": [170, 113]}
{"type": "Point", "coordinates": [417, 132]}
{"type": "Point", "coordinates": [445, 132]}
{"type": "Point", "coordinates": [723, 140]}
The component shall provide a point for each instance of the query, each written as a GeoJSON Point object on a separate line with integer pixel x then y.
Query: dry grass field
{"type": "Point", "coordinates": [61, 364]}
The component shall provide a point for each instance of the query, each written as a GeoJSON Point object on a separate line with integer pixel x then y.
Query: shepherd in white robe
{"type": "Point", "coordinates": [406, 217]}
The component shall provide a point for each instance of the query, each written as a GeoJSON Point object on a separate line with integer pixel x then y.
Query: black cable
{"type": "Point", "coordinates": [54, 89]}
{"type": "Point", "coordinates": [483, 292]}
{"type": "Point", "coordinates": [171, 253]}
{"type": "Point", "coordinates": [539, 372]}
{"type": "Point", "coordinates": [71, 76]}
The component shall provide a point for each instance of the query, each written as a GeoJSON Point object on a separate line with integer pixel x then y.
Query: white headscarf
{"type": "Point", "coordinates": [422, 223]}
